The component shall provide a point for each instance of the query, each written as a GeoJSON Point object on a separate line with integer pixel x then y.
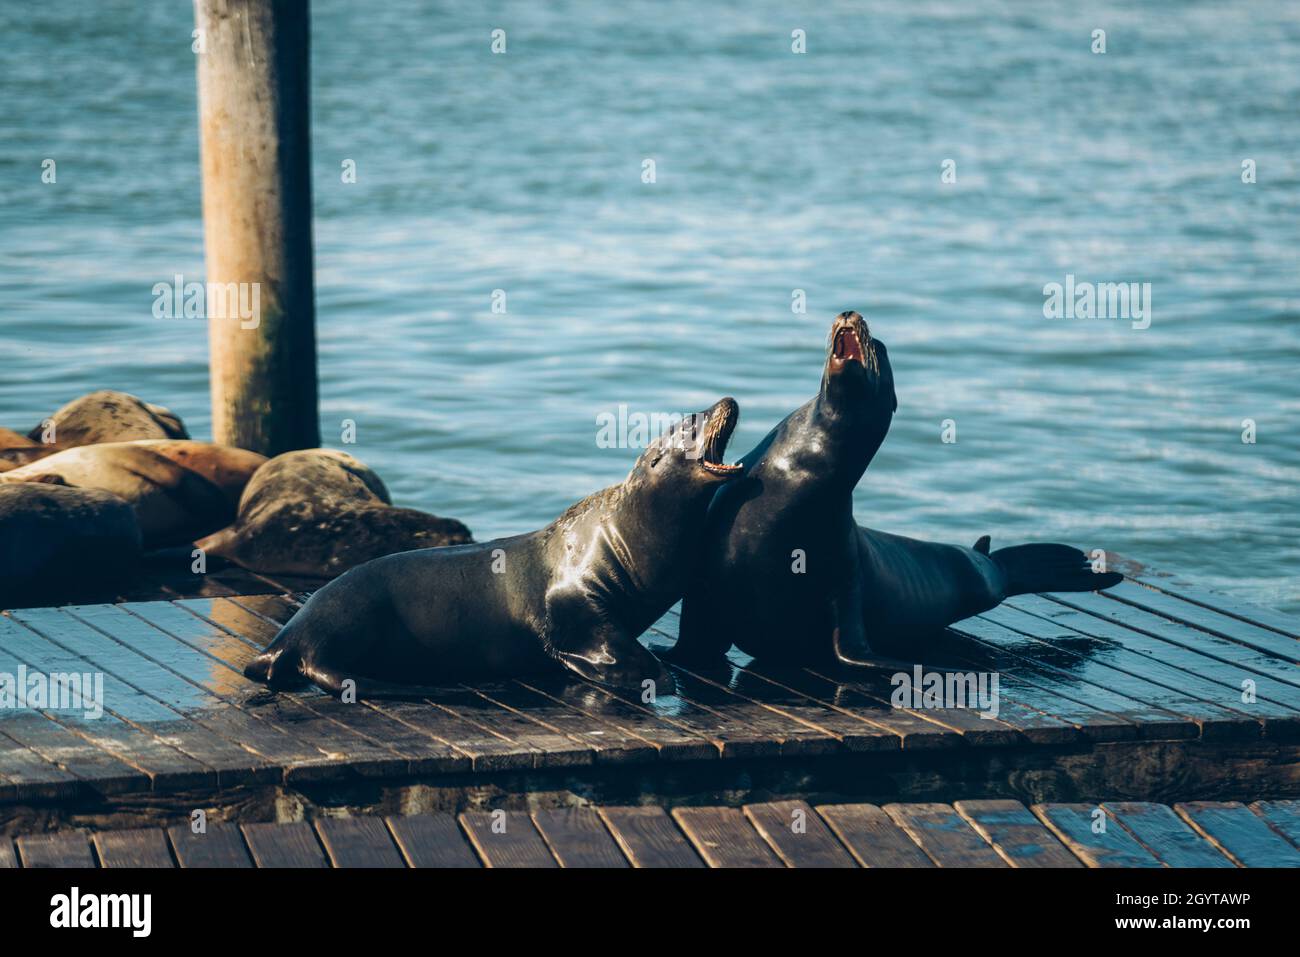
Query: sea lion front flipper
{"type": "Point", "coordinates": [982, 544]}
{"type": "Point", "coordinates": [624, 664]}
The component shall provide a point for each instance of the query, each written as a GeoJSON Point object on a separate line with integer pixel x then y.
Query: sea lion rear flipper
{"type": "Point", "coordinates": [1043, 566]}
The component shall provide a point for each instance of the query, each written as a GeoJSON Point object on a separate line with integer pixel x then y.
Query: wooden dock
{"type": "Point", "coordinates": [996, 833]}
{"type": "Point", "coordinates": [1152, 692]}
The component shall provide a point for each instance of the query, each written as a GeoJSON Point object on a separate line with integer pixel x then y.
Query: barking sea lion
{"type": "Point", "coordinates": [575, 594]}
{"type": "Point", "coordinates": [791, 577]}
{"type": "Point", "coordinates": [179, 489]}
{"type": "Point", "coordinates": [321, 512]}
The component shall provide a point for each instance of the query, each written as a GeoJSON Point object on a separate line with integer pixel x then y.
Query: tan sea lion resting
{"type": "Point", "coordinates": [16, 450]}
{"type": "Point", "coordinates": [50, 534]}
{"type": "Point", "coordinates": [108, 416]}
{"type": "Point", "coordinates": [321, 512]}
{"type": "Point", "coordinates": [180, 489]}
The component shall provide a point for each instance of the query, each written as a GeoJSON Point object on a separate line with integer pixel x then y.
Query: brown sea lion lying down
{"type": "Point", "coordinates": [180, 489]}
{"type": "Point", "coordinates": [50, 534]}
{"type": "Point", "coordinates": [321, 512]}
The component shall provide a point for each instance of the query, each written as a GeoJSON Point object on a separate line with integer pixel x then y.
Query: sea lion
{"type": "Point", "coordinates": [50, 534]}
{"type": "Point", "coordinates": [790, 576]}
{"type": "Point", "coordinates": [16, 450]}
{"type": "Point", "coordinates": [180, 490]}
{"type": "Point", "coordinates": [109, 416]}
{"type": "Point", "coordinates": [575, 594]}
{"type": "Point", "coordinates": [321, 512]}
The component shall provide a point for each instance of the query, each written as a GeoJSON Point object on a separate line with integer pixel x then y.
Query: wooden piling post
{"type": "Point", "coordinates": [254, 127]}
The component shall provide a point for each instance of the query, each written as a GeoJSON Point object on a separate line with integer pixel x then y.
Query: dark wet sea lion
{"type": "Point", "coordinates": [180, 490]}
{"type": "Point", "coordinates": [109, 416]}
{"type": "Point", "coordinates": [575, 594]}
{"type": "Point", "coordinates": [51, 533]}
{"type": "Point", "coordinates": [789, 575]}
{"type": "Point", "coordinates": [321, 512]}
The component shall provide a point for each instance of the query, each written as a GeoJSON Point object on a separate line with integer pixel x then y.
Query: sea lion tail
{"type": "Point", "coordinates": [1043, 566]}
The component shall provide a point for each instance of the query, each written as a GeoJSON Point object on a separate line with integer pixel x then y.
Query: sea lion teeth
{"type": "Point", "coordinates": [574, 595]}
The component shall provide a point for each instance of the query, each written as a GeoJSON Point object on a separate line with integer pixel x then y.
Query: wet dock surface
{"type": "Point", "coordinates": [1154, 691]}
{"type": "Point", "coordinates": [991, 833]}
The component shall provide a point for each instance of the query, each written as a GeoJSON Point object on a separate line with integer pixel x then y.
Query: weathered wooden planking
{"type": "Point", "coordinates": [610, 743]}
{"type": "Point", "coordinates": [432, 840]}
{"type": "Point", "coordinates": [1073, 676]}
{"type": "Point", "coordinates": [671, 742]}
{"type": "Point", "coordinates": [233, 733]}
{"type": "Point", "coordinates": [507, 839]}
{"type": "Point", "coordinates": [1109, 665]}
{"type": "Point", "coordinates": [1175, 586]}
{"type": "Point", "coordinates": [284, 845]}
{"type": "Point", "coordinates": [1282, 816]}
{"type": "Point", "coordinates": [945, 835]}
{"type": "Point", "coordinates": [1093, 837]}
{"type": "Point", "coordinates": [872, 837]}
{"type": "Point", "coordinates": [649, 838]}
{"type": "Point", "coordinates": [485, 749]}
{"type": "Point", "coordinates": [1016, 834]}
{"type": "Point", "coordinates": [220, 845]}
{"type": "Point", "coordinates": [1209, 678]}
{"type": "Point", "coordinates": [724, 837]}
{"type": "Point", "coordinates": [1208, 619]}
{"type": "Point", "coordinates": [59, 849]}
{"type": "Point", "coordinates": [138, 847]}
{"type": "Point", "coordinates": [8, 856]}
{"type": "Point", "coordinates": [279, 726]}
{"type": "Point", "coordinates": [1240, 833]}
{"type": "Point", "coordinates": [423, 753]}
{"type": "Point", "coordinates": [159, 757]}
{"type": "Point", "coordinates": [799, 837]}
{"type": "Point", "coordinates": [1165, 834]}
{"type": "Point", "coordinates": [548, 749]}
{"type": "Point", "coordinates": [362, 842]}
{"type": "Point", "coordinates": [578, 838]}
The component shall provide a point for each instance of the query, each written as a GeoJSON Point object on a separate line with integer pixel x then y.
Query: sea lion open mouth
{"type": "Point", "coordinates": [848, 346]}
{"type": "Point", "coordinates": [851, 342]}
{"type": "Point", "coordinates": [717, 432]}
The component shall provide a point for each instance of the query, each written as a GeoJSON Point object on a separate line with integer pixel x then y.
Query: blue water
{"type": "Point", "coordinates": [775, 172]}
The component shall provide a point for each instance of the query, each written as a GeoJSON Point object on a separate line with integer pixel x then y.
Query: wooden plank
{"type": "Point", "coordinates": [648, 837]}
{"type": "Point", "coordinates": [1016, 834]}
{"type": "Point", "coordinates": [724, 837]}
{"type": "Point", "coordinates": [358, 842]}
{"type": "Point", "coordinates": [944, 835]}
{"type": "Point", "coordinates": [1240, 833]}
{"type": "Point", "coordinates": [872, 837]}
{"type": "Point", "coordinates": [1072, 676]}
{"type": "Point", "coordinates": [138, 847]}
{"type": "Point", "coordinates": [486, 750]}
{"type": "Point", "coordinates": [220, 845]}
{"type": "Point", "coordinates": [611, 744]}
{"type": "Point", "coordinates": [432, 840]}
{"type": "Point", "coordinates": [231, 730]}
{"type": "Point", "coordinates": [1112, 847]}
{"type": "Point", "coordinates": [1209, 678]}
{"type": "Point", "coordinates": [1107, 664]}
{"type": "Point", "coordinates": [133, 744]}
{"type": "Point", "coordinates": [506, 839]}
{"type": "Point", "coordinates": [1282, 816]}
{"type": "Point", "coordinates": [834, 728]}
{"type": "Point", "coordinates": [1172, 584]}
{"type": "Point", "coordinates": [799, 837]}
{"type": "Point", "coordinates": [1207, 619]}
{"type": "Point", "coordinates": [8, 856]}
{"type": "Point", "coordinates": [578, 838]}
{"type": "Point", "coordinates": [548, 748]}
{"type": "Point", "coordinates": [284, 845]}
{"type": "Point", "coordinates": [29, 776]}
{"type": "Point", "coordinates": [672, 742]}
{"type": "Point", "coordinates": [1165, 834]}
{"type": "Point", "coordinates": [424, 753]}
{"type": "Point", "coordinates": [57, 849]}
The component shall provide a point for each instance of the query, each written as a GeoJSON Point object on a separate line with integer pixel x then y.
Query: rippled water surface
{"type": "Point", "coordinates": [775, 172]}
